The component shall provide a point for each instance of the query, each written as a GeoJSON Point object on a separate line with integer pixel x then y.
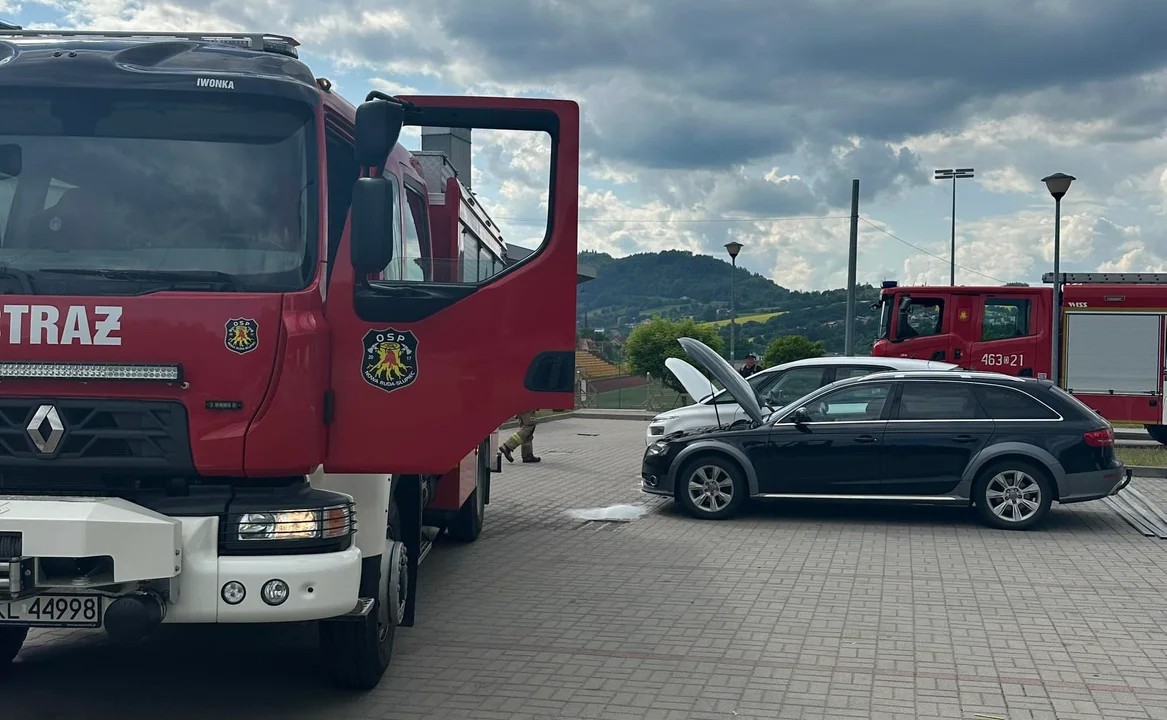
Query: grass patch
{"type": "Point", "coordinates": [759, 318]}
{"type": "Point", "coordinates": [1143, 456]}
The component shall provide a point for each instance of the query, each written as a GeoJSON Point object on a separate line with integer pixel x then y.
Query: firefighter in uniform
{"type": "Point", "coordinates": [521, 439]}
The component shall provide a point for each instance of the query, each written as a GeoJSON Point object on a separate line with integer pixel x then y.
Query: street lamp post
{"type": "Point", "coordinates": [1057, 184]}
{"type": "Point", "coordinates": [733, 248]}
{"type": "Point", "coordinates": [953, 175]}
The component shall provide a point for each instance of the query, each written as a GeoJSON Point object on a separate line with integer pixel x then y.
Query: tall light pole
{"type": "Point", "coordinates": [733, 248]}
{"type": "Point", "coordinates": [953, 175]}
{"type": "Point", "coordinates": [1058, 185]}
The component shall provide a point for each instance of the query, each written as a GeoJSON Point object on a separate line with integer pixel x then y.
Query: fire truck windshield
{"type": "Point", "coordinates": [142, 188]}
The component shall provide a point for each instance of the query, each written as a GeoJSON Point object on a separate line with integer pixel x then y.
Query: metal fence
{"type": "Point", "coordinates": [630, 392]}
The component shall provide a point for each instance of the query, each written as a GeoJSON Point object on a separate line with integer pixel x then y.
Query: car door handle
{"type": "Point", "coordinates": [865, 439]}
{"type": "Point", "coordinates": [965, 438]}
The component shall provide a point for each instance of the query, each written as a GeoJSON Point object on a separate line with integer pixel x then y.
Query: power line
{"type": "Point", "coordinates": [917, 247]}
{"type": "Point", "coordinates": [785, 218]}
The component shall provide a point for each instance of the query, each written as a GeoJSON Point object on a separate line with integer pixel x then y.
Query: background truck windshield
{"type": "Point", "coordinates": [161, 184]}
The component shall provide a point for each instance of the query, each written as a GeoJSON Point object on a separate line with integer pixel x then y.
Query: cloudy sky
{"type": "Point", "coordinates": [746, 120]}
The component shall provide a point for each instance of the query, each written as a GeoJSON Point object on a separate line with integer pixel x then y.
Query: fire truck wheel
{"type": "Point", "coordinates": [1013, 494]}
{"type": "Point", "coordinates": [11, 640]}
{"type": "Point", "coordinates": [357, 653]}
{"type": "Point", "coordinates": [1158, 433]}
{"type": "Point", "coordinates": [467, 524]}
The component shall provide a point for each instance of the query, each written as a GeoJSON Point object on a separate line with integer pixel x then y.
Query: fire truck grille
{"type": "Point", "coordinates": [93, 434]}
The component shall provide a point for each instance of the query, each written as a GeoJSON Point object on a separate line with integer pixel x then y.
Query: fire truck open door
{"type": "Point", "coordinates": [423, 370]}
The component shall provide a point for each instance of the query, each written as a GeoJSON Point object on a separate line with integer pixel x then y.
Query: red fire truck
{"type": "Point", "coordinates": [1113, 327]}
{"type": "Point", "coordinates": [254, 363]}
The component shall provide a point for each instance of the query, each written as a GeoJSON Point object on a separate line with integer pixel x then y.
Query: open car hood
{"type": "Point", "coordinates": [729, 378]}
{"type": "Point", "coordinates": [696, 384]}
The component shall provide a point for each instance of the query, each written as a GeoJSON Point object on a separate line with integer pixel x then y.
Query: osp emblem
{"type": "Point", "coordinates": [242, 335]}
{"type": "Point", "coordinates": [390, 359]}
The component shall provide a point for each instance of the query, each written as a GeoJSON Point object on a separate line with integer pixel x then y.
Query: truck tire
{"type": "Point", "coordinates": [467, 523]}
{"type": "Point", "coordinates": [1158, 433]}
{"type": "Point", "coordinates": [357, 652]}
{"type": "Point", "coordinates": [11, 640]}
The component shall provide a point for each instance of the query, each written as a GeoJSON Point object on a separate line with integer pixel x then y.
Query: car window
{"type": "Point", "coordinates": [1003, 403]}
{"type": "Point", "coordinates": [938, 401]}
{"type": "Point", "coordinates": [757, 381]}
{"type": "Point", "coordinates": [856, 403]}
{"type": "Point", "coordinates": [794, 384]}
{"type": "Point", "coordinates": [852, 371]}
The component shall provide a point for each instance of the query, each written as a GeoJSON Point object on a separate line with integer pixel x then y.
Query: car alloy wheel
{"type": "Point", "coordinates": [710, 488]}
{"type": "Point", "coordinates": [1013, 496]}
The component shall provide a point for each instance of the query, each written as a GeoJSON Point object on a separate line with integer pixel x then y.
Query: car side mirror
{"type": "Point", "coordinates": [800, 416]}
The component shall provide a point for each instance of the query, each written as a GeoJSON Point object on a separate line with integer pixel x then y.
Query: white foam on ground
{"type": "Point", "coordinates": [615, 512]}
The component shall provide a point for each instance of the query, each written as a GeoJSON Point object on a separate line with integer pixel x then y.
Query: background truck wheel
{"type": "Point", "coordinates": [1158, 433]}
{"type": "Point", "coordinates": [11, 640]}
{"type": "Point", "coordinates": [712, 487]}
{"type": "Point", "coordinates": [467, 524]}
{"type": "Point", "coordinates": [1013, 495]}
{"type": "Point", "coordinates": [357, 652]}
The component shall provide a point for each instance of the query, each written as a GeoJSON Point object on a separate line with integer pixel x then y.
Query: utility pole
{"type": "Point", "coordinates": [852, 259]}
{"type": "Point", "coordinates": [953, 175]}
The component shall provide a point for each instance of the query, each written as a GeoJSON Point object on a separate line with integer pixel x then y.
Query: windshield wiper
{"type": "Point", "coordinates": [175, 276]}
{"type": "Point", "coordinates": [21, 276]}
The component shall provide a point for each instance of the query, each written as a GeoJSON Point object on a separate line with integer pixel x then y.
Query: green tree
{"type": "Point", "coordinates": [649, 345]}
{"type": "Point", "coordinates": [789, 348]}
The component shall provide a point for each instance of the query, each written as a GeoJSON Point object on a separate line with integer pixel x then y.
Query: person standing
{"type": "Point", "coordinates": [521, 439]}
{"type": "Point", "coordinates": [750, 366]}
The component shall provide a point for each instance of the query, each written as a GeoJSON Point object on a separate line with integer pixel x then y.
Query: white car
{"type": "Point", "coordinates": [775, 387]}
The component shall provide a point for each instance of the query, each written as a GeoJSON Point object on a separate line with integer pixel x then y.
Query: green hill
{"type": "Point", "coordinates": [677, 284]}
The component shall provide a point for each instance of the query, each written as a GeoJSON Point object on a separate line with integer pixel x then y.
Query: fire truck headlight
{"type": "Point", "coordinates": [330, 522]}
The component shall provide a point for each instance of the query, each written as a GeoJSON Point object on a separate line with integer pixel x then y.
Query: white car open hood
{"type": "Point", "coordinates": [696, 384]}
{"type": "Point", "coordinates": [729, 378]}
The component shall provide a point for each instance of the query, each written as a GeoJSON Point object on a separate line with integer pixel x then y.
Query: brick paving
{"type": "Point", "coordinates": [794, 611]}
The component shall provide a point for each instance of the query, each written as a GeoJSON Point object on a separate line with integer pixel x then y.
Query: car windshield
{"type": "Point", "coordinates": [155, 187]}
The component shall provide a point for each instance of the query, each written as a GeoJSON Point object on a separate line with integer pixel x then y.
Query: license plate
{"type": "Point", "coordinates": [71, 611]}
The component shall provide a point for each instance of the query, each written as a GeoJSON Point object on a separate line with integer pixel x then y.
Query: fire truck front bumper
{"type": "Point", "coordinates": [99, 550]}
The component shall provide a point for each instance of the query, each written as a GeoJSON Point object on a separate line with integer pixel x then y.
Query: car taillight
{"type": "Point", "coordinates": [1100, 438]}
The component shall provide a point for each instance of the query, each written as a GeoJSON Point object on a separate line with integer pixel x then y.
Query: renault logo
{"type": "Point", "coordinates": [46, 416]}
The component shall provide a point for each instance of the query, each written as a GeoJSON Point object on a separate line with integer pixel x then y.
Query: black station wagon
{"type": "Point", "coordinates": [1008, 446]}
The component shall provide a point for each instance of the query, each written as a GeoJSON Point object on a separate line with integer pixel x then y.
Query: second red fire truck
{"type": "Point", "coordinates": [1113, 336]}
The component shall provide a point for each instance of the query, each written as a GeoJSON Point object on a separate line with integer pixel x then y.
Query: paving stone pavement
{"type": "Point", "coordinates": [793, 611]}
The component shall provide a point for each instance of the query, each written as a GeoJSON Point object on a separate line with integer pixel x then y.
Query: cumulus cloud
{"type": "Point", "coordinates": [746, 109]}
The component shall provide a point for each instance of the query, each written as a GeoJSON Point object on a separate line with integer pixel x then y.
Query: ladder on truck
{"type": "Point", "coordinates": [1108, 278]}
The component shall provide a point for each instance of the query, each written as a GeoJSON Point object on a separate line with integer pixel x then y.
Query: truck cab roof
{"type": "Point", "coordinates": [39, 57]}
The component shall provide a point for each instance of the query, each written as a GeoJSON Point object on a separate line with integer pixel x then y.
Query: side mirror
{"type": "Point", "coordinates": [379, 121]}
{"type": "Point", "coordinates": [372, 234]}
{"type": "Point", "coordinates": [905, 303]}
{"type": "Point", "coordinates": [11, 159]}
{"type": "Point", "coordinates": [800, 416]}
